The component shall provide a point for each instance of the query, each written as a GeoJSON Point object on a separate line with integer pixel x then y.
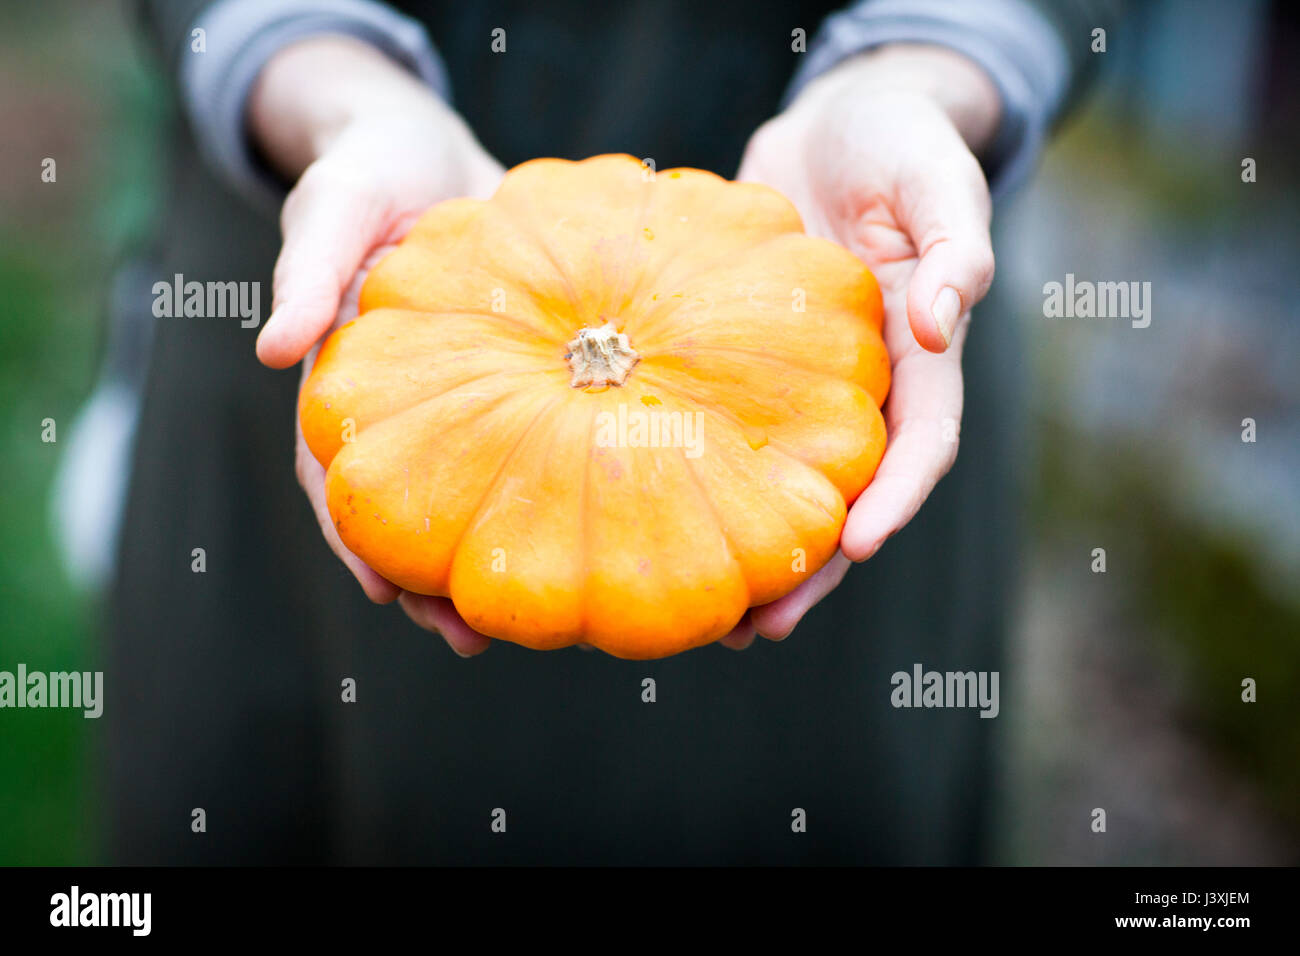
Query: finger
{"type": "Point", "coordinates": [439, 615]}
{"type": "Point", "coordinates": [775, 621]}
{"type": "Point", "coordinates": [329, 227]}
{"type": "Point", "coordinates": [948, 221]}
{"type": "Point", "coordinates": [312, 478]}
{"type": "Point", "coordinates": [740, 636]}
{"type": "Point", "coordinates": [924, 417]}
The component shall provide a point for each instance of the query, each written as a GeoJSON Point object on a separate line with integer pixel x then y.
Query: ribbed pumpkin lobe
{"type": "Point", "coordinates": [599, 357]}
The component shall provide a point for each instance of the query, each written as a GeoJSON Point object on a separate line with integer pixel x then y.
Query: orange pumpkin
{"type": "Point", "coordinates": [604, 406]}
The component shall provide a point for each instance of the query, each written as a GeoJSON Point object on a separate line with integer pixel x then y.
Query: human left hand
{"type": "Point", "coordinates": [877, 155]}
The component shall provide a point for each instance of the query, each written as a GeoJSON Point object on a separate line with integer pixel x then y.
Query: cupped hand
{"type": "Point", "coordinates": [369, 174]}
{"type": "Point", "coordinates": [876, 158]}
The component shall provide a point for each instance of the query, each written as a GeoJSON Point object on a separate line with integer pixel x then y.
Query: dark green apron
{"type": "Point", "coordinates": [223, 687]}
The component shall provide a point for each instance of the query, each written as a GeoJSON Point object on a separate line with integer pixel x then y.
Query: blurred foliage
{"type": "Point", "coordinates": [88, 102]}
{"type": "Point", "coordinates": [1201, 593]}
{"type": "Point", "coordinates": [1197, 593]}
{"type": "Point", "coordinates": [1199, 191]}
{"type": "Point", "coordinates": [1207, 600]}
{"type": "Point", "coordinates": [44, 625]}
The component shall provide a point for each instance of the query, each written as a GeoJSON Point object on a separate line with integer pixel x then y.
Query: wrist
{"type": "Point", "coordinates": [957, 85]}
{"type": "Point", "coordinates": [313, 90]}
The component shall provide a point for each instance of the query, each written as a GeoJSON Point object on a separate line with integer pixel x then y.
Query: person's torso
{"type": "Point", "coordinates": [682, 83]}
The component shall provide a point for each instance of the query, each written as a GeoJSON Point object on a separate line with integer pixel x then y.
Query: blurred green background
{"type": "Point", "coordinates": [1131, 679]}
{"type": "Point", "coordinates": [71, 88]}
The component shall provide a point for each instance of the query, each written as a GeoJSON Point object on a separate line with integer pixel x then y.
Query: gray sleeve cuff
{"type": "Point", "coordinates": [1019, 48]}
{"type": "Point", "coordinates": [241, 35]}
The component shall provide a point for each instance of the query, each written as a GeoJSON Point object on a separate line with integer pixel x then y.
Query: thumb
{"type": "Point", "coordinates": [949, 225]}
{"type": "Point", "coordinates": [328, 230]}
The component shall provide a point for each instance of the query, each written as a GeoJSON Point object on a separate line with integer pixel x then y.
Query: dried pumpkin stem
{"type": "Point", "coordinates": [600, 356]}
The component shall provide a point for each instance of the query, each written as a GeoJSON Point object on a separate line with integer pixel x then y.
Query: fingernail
{"type": "Point", "coordinates": [946, 309]}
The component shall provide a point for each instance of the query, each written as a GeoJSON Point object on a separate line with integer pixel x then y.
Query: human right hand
{"type": "Point", "coordinates": [371, 149]}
